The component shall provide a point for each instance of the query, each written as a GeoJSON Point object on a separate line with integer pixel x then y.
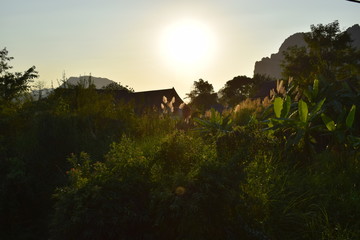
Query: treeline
{"type": "Point", "coordinates": [80, 165]}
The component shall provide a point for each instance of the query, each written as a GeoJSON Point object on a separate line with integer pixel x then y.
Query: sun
{"type": "Point", "coordinates": [187, 42]}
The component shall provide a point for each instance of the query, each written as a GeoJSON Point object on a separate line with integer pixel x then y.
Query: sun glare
{"type": "Point", "coordinates": [187, 43]}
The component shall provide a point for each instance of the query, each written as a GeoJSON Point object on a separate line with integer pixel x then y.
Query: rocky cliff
{"type": "Point", "coordinates": [270, 66]}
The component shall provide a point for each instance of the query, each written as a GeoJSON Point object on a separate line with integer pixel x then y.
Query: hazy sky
{"type": "Point", "coordinates": [126, 41]}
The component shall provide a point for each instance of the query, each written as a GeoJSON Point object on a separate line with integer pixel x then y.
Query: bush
{"type": "Point", "coordinates": [249, 109]}
{"type": "Point", "coordinates": [316, 201]}
{"type": "Point", "coordinates": [105, 200]}
{"type": "Point", "coordinates": [176, 199]}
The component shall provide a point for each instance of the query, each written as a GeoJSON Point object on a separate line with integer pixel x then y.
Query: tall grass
{"type": "Point", "coordinates": [249, 109]}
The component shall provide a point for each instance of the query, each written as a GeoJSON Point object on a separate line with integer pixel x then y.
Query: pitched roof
{"type": "Point", "coordinates": [155, 97]}
{"type": "Point", "coordinates": [148, 99]}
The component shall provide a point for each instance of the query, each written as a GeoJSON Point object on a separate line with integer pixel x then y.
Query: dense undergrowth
{"type": "Point", "coordinates": [152, 176]}
{"type": "Point", "coordinates": [81, 165]}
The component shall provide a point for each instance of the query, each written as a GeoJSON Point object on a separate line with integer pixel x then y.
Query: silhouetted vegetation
{"type": "Point", "coordinates": [236, 90]}
{"type": "Point", "coordinates": [328, 55]}
{"type": "Point", "coordinates": [80, 164]}
{"type": "Point", "coordinates": [202, 97]}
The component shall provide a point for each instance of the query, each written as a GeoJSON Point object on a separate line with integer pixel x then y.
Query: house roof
{"type": "Point", "coordinates": [155, 97]}
{"type": "Point", "coordinates": [147, 99]}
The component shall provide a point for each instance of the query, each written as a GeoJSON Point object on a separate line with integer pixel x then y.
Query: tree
{"type": "Point", "coordinates": [117, 86]}
{"type": "Point", "coordinates": [328, 55]}
{"type": "Point", "coordinates": [13, 84]}
{"type": "Point", "coordinates": [259, 81]}
{"type": "Point", "coordinates": [202, 97]}
{"type": "Point", "coordinates": [236, 90]}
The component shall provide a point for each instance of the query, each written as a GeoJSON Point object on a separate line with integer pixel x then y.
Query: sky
{"type": "Point", "coordinates": [140, 43]}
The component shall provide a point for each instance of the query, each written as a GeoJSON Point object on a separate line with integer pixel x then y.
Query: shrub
{"type": "Point", "coordinates": [249, 109]}
{"type": "Point", "coordinates": [195, 194]}
{"type": "Point", "coordinates": [105, 200]}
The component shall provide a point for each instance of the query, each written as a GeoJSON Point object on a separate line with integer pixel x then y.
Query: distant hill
{"type": "Point", "coordinates": [97, 81]}
{"type": "Point", "coordinates": [43, 93]}
{"type": "Point", "coordinates": [270, 66]}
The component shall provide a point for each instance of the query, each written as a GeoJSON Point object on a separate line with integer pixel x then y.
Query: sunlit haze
{"type": "Point", "coordinates": [187, 44]}
{"type": "Point", "coordinates": [156, 44]}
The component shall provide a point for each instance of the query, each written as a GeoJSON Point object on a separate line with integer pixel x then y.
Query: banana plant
{"type": "Point", "coordinates": [312, 92]}
{"type": "Point", "coordinates": [215, 125]}
{"type": "Point", "coordinates": [341, 131]}
{"type": "Point", "coordinates": [298, 120]}
{"type": "Point", "coordinates": [298, 123]}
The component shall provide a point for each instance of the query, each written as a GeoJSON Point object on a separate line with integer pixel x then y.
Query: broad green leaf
{"type": "Point", "coordinates": [317, 108]}
{"type": "Point", "coordinates": [329, 123]}
{"type": "Point", "coordinates": [286, 107]}
{"type": "Point", "coordinates": [315, 88]}
{"type": "Point", "coordinates": [278, 106]}
{"type": "Point", "coordinates": [350, 117]}
{"type": "Point", "coordinates": [303, 111]}
{"type": "Point", "coordinates": [319, 105]}
{"type": "Point", "coordinates": [354, 141]}
{"type": "Point", "coordinates": [307, 94]}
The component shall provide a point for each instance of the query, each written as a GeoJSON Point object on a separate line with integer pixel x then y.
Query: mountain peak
{"type": "Point", "coordinates": [270, 66]}
{"type": "Point", "coordinates": [99, 82]}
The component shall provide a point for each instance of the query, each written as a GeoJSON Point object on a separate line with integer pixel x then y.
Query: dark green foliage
{"type": "Point", "coordinates": [241, 88]}
{"type": "Point", "coordinates": [236, 90]}
{"type": "Point", "coordinates": [18, 180]}
{"type": "Point", "coordinates": [117, 86]}
{"type": "Point", "coordinates": [299, 126]}
{"type": "Point", "coordinates": [13, 84]}
{"type": "Point", "coordinates": [105, 200]}
{"type": "Point", "coordinates": [328, 55]}
{"type": "Point", "coordinates": [202, 97]}
{"type": "Point", "coordinates": [305, 123]}
{"type": "Point", "coordinates": [258, 81]}
{"type": "Point", "coordinates": [37, 137]}
{"type": "Point", "coordinates": [143, 178]}
{"type": "Point", "coordinates": [179, 191]}
{"type": "Point", "coordinates": [177, 200]}
{"type": "Point", "coordinates": [214, 126]}
{"type": "Point", "coordinates": [244, 143]}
